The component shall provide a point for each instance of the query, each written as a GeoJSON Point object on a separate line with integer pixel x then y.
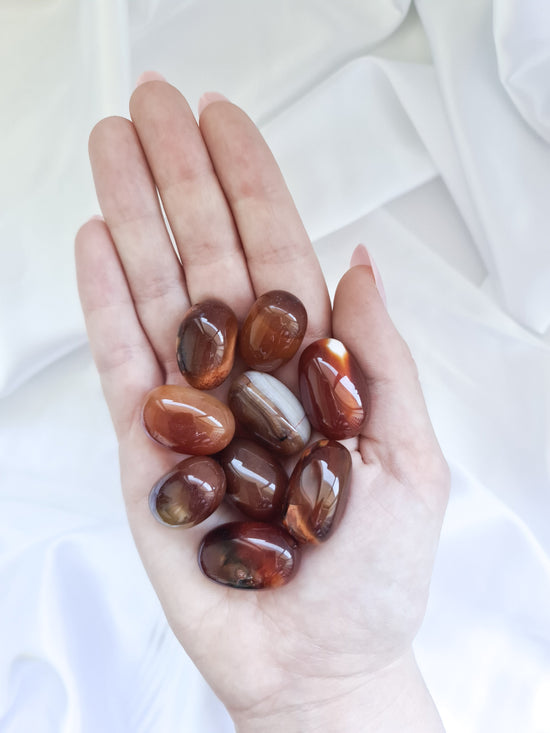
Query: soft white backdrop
{"type": "Point", "coordinates": [421, 131]}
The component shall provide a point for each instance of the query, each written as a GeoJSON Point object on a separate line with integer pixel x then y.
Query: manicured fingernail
{"type": "Point", "coordinates": [149, 76]}
{"type": "Point", "coordinates": [209, 97]}
{"type": "Point", "coordinates": [361, 256]}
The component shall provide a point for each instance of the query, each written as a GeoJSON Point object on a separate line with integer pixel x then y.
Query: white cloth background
{"type": "Point", "coordinates": [422, 131]}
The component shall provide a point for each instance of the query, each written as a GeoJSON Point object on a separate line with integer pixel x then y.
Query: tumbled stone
{"type": "Point", "coordinates": [333, 389]}
{"type": "Point", "coordinates": [189, 493]}
{"type": "Point", "coordinates": [273, 330]}
{"type": "Point", "coordinates": [269, 411]}
{"type": "Point", "coordinates": [187, 420]}
{"type": "Point", "coordinates": [206, 344]}
{"type": "Point", "coordinates": [317, 491]}
{"type": "Point", "coordinates": [256, 481]}
{"type": "Point", "coordinates": [249, 555]}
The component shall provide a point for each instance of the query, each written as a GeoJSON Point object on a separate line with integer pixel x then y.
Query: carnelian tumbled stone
{"type": "Point", "coordinates": [249, 555]}
{"type": "Point", "coordinates": [333, 389]}
{"type": "Point", "coordinates": [189, 493]}
{"type": "Point", "coordinates": [273, 330]}
{"type": "Point", "coordinates": [187, 420]}
{"type": "Point", "coordinates": [256, 481]}
{"type": "Point", "coordinates": [317, 491]}
{"type": "Point", "coordinates": [269, 411]}
{"type": "Point", "coordinates": [206, 342]}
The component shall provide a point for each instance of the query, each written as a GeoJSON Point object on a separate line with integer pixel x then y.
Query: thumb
{"type": "Point", "coordinates": [398, 420]}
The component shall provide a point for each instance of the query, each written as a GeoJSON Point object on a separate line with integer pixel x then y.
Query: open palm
{"type": "Point", "coordinates": [357, 601]}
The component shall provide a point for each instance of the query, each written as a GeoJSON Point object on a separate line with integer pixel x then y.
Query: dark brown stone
{"type": "Point", "coordinates": [249, 555]}
{"type": "Point", "coordinates": [206, 344]}
{"type": "Point", "coordinates": [189, 493]}
{"type": "Point", "coordinates": [256, 481]}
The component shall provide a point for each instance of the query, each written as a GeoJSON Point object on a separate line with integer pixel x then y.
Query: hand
{"type": "Point", "coordinates": [332, 649]}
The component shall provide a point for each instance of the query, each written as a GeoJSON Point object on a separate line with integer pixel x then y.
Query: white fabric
{"type": "Point", "coordinates": [423, 136]}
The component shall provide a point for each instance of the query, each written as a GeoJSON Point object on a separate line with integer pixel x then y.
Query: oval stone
{"type": "Point", "coordinates": [333, 389]}
{"type": "Point", "coordinates": [273, 330]}
{"type": "Point", "coordinates": [249, 555]}
{"type": "Point", "coordinates": [317, 491]}
{"type": "Point", "coordinates": [269, 411]}
{"type": "Point", "coordinates": [256, 481]}
{"type": "Point", "coordinates": [187, 420]}
{"type": "Point", "coordinates": [189, 493]}
{"type": "Point", "coordinates": [206, 342]}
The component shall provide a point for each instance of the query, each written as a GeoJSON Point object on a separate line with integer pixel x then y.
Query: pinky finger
{"type": "Point", "coordinates": [125, 360]}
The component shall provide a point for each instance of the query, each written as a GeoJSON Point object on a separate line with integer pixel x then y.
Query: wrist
{"type": "Point", "coordinates": [395, 700]}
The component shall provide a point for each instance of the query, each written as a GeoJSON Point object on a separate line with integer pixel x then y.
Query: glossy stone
{"type": "Point", "coordinates": [206, 342]}
{"type": "Point", "coordinates": [256, 481]}
{"type": "Point", "coordinates": [187, 420]}
{"type": "Point", "coordinates": [317, 491]}
{"type": "Point", "coordinates": [273, 330]}
{"type": "Point", "coordinates": [333, 389]}
{"type": "Point", "coordinates": [189, 493]}
{"type": "Point", "coordinates": [249, 555]}
{"type": "Point", "coordinates": [269, 411]}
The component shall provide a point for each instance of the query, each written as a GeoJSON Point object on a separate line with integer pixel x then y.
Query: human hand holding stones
{"type": "Point", "coordinates": [326, 645]}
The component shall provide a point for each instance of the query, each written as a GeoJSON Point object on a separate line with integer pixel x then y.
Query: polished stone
{"type": "Point", "coordinates": [273, 330]}
{"type": "Point", "coordinates": [269, 412]}
{"type": "Point", "coordinates": [206, 342]}
{"type": "Point", "coordinates": [189, 493]}
{"type": "Point", "coordinates": [317, 491]}
{"type": "Point", "coordinates": [256, 481]}
{"type": "Point", "coordinates": [187, 420]}
{"type": "Point", "coordinates": [249, 555]}
{"type": "Point", "coordinates": [333, 389]}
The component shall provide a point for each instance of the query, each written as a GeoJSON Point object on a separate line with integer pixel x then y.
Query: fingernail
{"type": "Point", "coordinates": [149, 76]}
{"type": "Point", "coordinates": [209, 97]}
{"type": "Point", "coordinates": [361, 256]}
{"type": "Point", "coordinates": [96, 217]}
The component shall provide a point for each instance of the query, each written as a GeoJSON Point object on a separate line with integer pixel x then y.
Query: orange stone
{"type": "Point", "coordinates": [187, 420]}
{"type": "Point", "coordinates": [273, 330]}
{"type": "Point", "coordinates": [317, 491]}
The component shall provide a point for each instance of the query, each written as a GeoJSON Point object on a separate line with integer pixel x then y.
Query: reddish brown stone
{"type": "Point", "coordinates": [273, 330]}
{"type": "Point", "coordinates": [333, 389]}
{"type": "Point", "coordinates": [249, 555]}
{"type": "Point", "coordinates": [189, 493]}
{"type": "Point", "coordinates": [187, 420]}
{"type": "Point", "coordinates": [206, 344]}
{"type": "Point", "coordinates": [317, 491]}
{"type": "Point", "coordinates": [256, 481]}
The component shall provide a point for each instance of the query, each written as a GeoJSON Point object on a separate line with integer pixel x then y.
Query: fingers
{"type": "Point", "coordinates": [130, 205]}
{"type": "Point", "coordinates": [194, 202]}
{"type": "Point", "coordinates": [399, 429]}
{"type": "Point", "coordinates": [278, 250]}
{"type": "Point", "coordinates": [125, 360]}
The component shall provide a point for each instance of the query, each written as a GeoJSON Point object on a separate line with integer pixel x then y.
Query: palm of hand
{"type": "Point", "coordinates": [358, 599]}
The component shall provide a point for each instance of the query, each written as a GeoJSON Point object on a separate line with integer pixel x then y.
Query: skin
{"type": "Point", "coordinates": [331, 650]}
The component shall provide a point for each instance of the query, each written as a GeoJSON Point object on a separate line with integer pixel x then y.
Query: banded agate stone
{"type": "Point", "coordinates": [273, 330]}
{"type": "Point", "coordinates": [256, 481]}
{"type": "Point", "coordinates": [317, 491]}
{"type": "Point", "coordinates": [187, 420]}
{"type": "Point", "coordinates": [206, 342]}
{"type": "Point", "coordinates": [269, 411]}
{"type": "Point", "coordinates": [333, 389]}
{"type": "Point", "coordinates": [249, 555]}
{"type": "Point", "coordinates": [189, 493]}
